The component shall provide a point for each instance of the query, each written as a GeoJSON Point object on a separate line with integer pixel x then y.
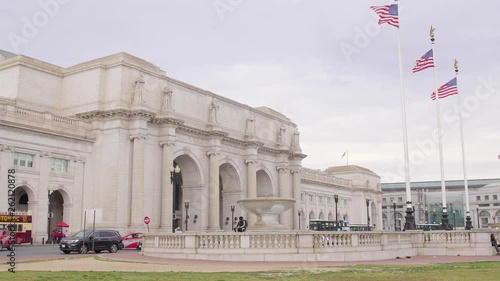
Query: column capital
{"type": "Point", "coordinates": [251, 161]}
{"type": "Point", "coordinates": [293, 171]}
{"type": "Point", "coordinates": [213, 152]}
{"type": "Point", "coordinates": [138, 136]}
{"type": "Point", "coordinates": [166, 142]}
{"type": "Point", "coordinates": [44, 154]}
{"type": "Point", "coordinates": [79, 159]}
{"type": "Point", "coordinates": [279, 168]}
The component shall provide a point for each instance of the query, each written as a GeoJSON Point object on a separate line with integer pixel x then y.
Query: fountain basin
{"type": "Point", "coordinates": [267, 210]}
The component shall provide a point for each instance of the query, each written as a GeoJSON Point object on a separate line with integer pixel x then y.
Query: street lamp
{"type": "Point", "coordinates": [186, 206]}
{"type": "Point", "coordinates": [336, 197]}
{"type": "Point", "coordinates": [477, 212]}
{"type": "Point", "coordinates": [394, 206]}
{"type": "Point", "coordinates": [299, 213]}
{"type": "Point", "coordinates": [174, 180]}
{"type": "Point", "coordinates": [434, 215]}
{"type": "Point", "coordinates": [50, 190]}
{"type": "Point", "coordinates": [426, 215]}
{"type": "Point", "coordinates": [367, 213]}
{"type": "Point", "coordinates": [454, 226]}
{"type": "Point", "coordinates": [232, 217]}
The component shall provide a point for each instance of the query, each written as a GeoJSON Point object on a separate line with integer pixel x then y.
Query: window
{"type": "Point", "coordinates": [302, 197]}
{"type": "Point", "coordinates": [495, 197]}
{"type": "Point", "coordinates": [59, 165]}
{"type": "Point", "coordinates": [320, 199]}
{"type": "Point", "coordinates": [400, 199]}
{"type": "Point", "coordinates": [311, 198]}
{"type": "Point", "coordinates": [329, 200]}
{"type": "Point", "coordinates": [23, 159]}
{"type": "Point", "coordinates": [486, 197]}
{"type": "Point", "coordinates": [384, 200]}
{"type": "Point", "coordinates": [478, 198]}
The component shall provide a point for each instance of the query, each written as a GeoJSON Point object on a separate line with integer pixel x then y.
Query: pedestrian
{"type": "Point", "coordinates": [54, 236]}
{"type": "Point", "coordinates": [494, 243]}
{"type": "Point", "coordinates": [241, 226]}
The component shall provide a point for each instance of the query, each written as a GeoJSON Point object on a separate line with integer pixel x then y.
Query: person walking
{"type": "Point", "coordinates": [494, 243]}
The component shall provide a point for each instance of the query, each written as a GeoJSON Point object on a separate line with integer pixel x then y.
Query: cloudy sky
{"type": "Point", "coordinates": [327, 65]}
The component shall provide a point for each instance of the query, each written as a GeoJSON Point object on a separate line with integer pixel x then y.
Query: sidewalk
{"type": "Point", "coordinates": [131, 260]}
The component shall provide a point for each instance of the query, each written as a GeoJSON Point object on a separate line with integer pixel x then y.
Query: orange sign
{"type": "Point", "coordinates": [15, 219]}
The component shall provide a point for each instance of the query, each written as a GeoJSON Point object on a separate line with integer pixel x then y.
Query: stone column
{"type": "Point", "coordinates": [282, 173]}
{"type": "Point", "coordinates": [296, 196]}
{"type": "Point", "coordinates": [5, 165]}
{"type": "Point", "coordinates": [251, 179]}
{"type": "Point", "coordinates": [213, 191]}
{"type": "Point", "coordinates": [166, 206]}
{"type": "Point", "coordinates": [76, 220]}
{"type": "Point", "coordinates": [137, 204]}
{"type": "Point", "coordinates": [43, 198]}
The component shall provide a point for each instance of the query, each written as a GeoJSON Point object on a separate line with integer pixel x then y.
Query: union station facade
{"type": "Point", "coordinates": [114, 140]}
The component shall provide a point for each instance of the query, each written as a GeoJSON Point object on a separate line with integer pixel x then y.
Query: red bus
{"type": "Point", "coordinates": [23, 227]}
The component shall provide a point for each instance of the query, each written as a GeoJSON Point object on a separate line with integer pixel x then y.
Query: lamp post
{"type": "Point", "coordinates": [477, 212]}
{"type": "Point", "coordinates": [299, 213]}
{"type": "Point", "coordinates": [368, 214]}
{"type": "Point", "coordinates": [454, 225]}
{"type": "Point", "coordinates": [434, 215]}
{"type": "Point", "coordinates": [336, 198]}
{"type": "Point", "coordinates": [174, 174]}
{"type": "Point", "coordinates": [394, 206]}
{"type": "Point", "coordinates": [232, 217]}
{"type": "Point", "coordinates": [426, 215]}
{"type": "Point", "coordinates": [186, 206]}
{"type": "Point", "coordinates": [50, 190]}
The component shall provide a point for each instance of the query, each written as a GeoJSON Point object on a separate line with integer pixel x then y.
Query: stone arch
{"type": "Point", "coordinates": [230, 190]}
{"type": "Point", "coordinates": [264, 184]}
{"type": "Point", "coordinates": [330, 216]}
{"type": "Point", "coordinates": [188, 186]}
{"type": "Point", "coordinates": [374, 214]}
{"type": "Point", "coordinates": [321, 216]}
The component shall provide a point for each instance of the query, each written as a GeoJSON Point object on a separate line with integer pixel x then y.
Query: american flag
{"type": "Point", "coordinates": [388, 14]}
{"type": "Point", "coordinates": [424, 62]}
{"type": "Point", "coordinates": [447, 89]}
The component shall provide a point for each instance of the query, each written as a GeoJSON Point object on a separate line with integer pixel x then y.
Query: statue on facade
{"type": "Point", "coordinates": [250, 130]}
{"type": "Point", "coordinates": [214, 108]}
{"type": "Point", "coordinates": [295, 141]}
{"type": "Point", "coordinates": [167, 99]}
{"type": "Point", "coordinates": [281, 134]}
{"type": "Point", "coordinates": [138, 89]}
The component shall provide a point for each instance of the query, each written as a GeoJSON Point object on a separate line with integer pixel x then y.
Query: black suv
{"type": "Point", "coordinates": [86, 240]}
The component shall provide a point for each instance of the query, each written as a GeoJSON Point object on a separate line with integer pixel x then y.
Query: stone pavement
{"type": "Point", "coordinates": [131, 260]}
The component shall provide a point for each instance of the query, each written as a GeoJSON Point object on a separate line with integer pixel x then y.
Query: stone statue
{"type": "Point", "coordinates": [281, 135]}
{"type": "Point", "coordinates": [295, 142]}
{"type": "Point", "coordinates": [167, 99]}
{"type": "Point", "coordinates": [250, 130]}
{"type": "Point", "coordinates": [214, 108]}
{"type": "Point", "coordinates": [138, 89]}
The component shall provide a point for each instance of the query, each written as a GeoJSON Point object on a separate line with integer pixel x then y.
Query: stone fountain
{"type": "Point", "coordinates": [267, 210]}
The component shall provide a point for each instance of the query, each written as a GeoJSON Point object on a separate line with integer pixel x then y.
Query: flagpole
{"type": "Point", "coordinates": [468, 221]}
{"type": "Point", "coordinates": [409, 218]}
{"type": "Point", "coordinates": [347, 156]}
{"type": "Point", "coordinates": [444, 217]}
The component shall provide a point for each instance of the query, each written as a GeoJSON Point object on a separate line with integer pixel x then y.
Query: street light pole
{"type": "Point", "coordinates": [336, 197]}
{"type": "Point", "coordinates": [394, 206]}
{"type": "Point", "coordinates": [232, 217]}
{"type": "Point", "coordinates": [186, 206]}
{"type": "Point", "coordinates": [174, 174]}
{"type": "Point", "coordinates": [368, 213]}
{"type": "Point", "coordinates": [454, 225]}
{"type": "Point", "coordinates": [299, 212]}
{"type": "Point", "coordinates": [50, 190]}
{"type": "Point", "coordinates": [426, 215]}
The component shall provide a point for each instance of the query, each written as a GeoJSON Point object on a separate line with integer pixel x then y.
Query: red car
{"type": "Point", "coordinates": [131, 240]}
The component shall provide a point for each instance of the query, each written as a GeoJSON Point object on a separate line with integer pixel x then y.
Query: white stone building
{"type": "Point", "coordinates": [98, 141]}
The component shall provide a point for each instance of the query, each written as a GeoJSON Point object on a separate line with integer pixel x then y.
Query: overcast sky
{"type": "Point", "coordinates": [327, 65]}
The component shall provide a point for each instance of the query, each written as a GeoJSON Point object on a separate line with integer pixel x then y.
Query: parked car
{"type": "Point", "coordinates": [130, 241]}
{"type": "Point", "coordinates": [86, 240]}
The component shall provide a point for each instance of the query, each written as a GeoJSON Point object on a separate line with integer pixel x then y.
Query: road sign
{"type": "Point", "coordinates": [146, 220]}
{"type": "Point", "coordinates": [50, 215]}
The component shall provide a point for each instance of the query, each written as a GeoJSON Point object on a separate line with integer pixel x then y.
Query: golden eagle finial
{"type": "Point", "coordinates": [456, 65]}
{"type": "Point", "coordinates": [431, 32]}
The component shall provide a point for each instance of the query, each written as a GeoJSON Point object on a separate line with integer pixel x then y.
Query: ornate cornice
{"type": "Point", "coordinates": [101, 114]}
{"type": "Point", "coordinates": [167, 120]}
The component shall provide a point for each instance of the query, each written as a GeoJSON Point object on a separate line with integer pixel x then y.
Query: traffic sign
{"type": "Point", "coordinates": [146, 220]}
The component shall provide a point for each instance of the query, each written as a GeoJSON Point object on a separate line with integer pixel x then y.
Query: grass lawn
{"type": "Point", "coordinates": [449, 271]}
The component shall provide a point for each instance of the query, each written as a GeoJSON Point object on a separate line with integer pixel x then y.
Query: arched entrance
{"type": "Point", "coordinates": [264, 185]}
{"type": "Point", "coordinates": [229, 192]}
